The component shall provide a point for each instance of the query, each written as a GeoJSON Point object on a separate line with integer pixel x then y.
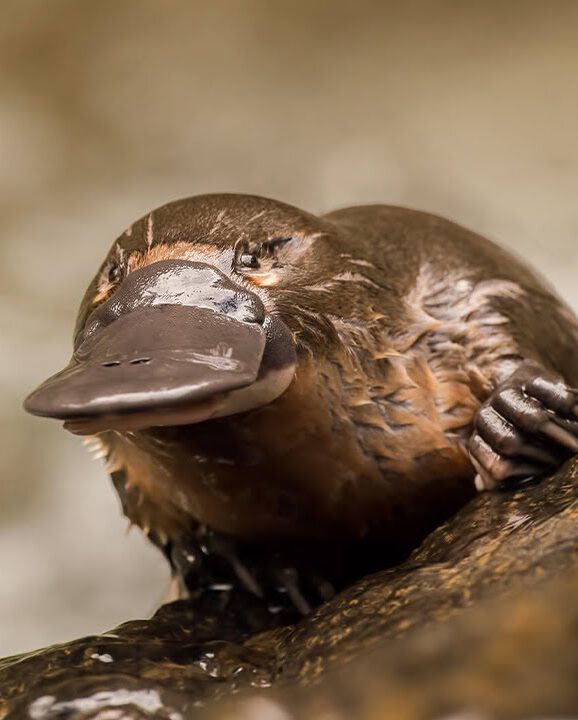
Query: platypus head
{"type": "Point", "coordinates": [196, 313]}
{"type": "Point", "coordinates": [175, 328]}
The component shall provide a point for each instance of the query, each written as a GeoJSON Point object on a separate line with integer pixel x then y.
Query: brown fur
{"type": "Point", "coordinates": [404, 324]}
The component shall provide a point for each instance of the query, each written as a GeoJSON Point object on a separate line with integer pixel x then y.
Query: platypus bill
{"type": "Point", "coordinates": [280, 395]}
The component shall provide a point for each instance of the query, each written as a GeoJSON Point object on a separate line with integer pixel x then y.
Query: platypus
{"type": "Point", "coordinates": [289, 400]}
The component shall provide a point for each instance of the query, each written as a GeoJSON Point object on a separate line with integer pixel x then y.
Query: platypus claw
{"type": "Point", "coordinates": [526, 429]}
{"type": "Point", "coordinates": [213, 561]}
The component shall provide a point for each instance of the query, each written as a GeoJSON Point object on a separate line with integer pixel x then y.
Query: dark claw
{"type": "Point", "coordinates": [288, 580]}
{"type": "Point", "coordinates": [558, 434]}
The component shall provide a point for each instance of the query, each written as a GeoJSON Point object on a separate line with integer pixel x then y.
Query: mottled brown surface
{"type": "Point", "coordinates": [499, 543]}
{"type": "Point", "coordinates": [513, 659]}
{"type": "Point", "coordinates": [400, 643]}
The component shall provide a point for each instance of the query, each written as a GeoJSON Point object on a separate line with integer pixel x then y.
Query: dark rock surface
{"type": "Point", "coordinates": [481, 621]}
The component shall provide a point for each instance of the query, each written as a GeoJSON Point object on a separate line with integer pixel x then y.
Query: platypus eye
{"type": "Point", "coordinates": [255, 256]}
{"type": "Point", "coordinates": [249, 260]}
{"type": "Point", "coordinates": [247, 255]}
{"type": "Point", "coordinates": [114, 272]}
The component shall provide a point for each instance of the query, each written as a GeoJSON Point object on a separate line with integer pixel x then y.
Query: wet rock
{"type": "Point", "coordinates": [514, 659]}
{"type": "Point", "coordinates": [481, 622]}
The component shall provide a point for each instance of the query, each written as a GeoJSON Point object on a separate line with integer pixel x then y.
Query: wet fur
{"type": "Point", "coordinates": [404, 324]}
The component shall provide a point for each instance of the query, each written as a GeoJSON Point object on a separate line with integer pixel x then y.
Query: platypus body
{"type": "Point", "coordinates": [311, 394]}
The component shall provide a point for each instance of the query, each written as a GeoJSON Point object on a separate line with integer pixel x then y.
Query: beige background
{"type": "Point", "coordinates": [109, 108]}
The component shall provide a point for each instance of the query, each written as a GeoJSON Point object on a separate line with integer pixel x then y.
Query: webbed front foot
{"type": "Point", "coordinates": [526, 429]}
{"type": "Point", "coordinates": [215, 562]}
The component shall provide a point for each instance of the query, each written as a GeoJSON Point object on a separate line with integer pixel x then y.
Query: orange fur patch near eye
{"type": "Point", "coordinates": [266, 279]}
{"type": "Point", "coordinates": [199, 252]}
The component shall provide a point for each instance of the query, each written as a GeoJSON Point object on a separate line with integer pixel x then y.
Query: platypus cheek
{"type": "Point", "coordinates": [177, 343]}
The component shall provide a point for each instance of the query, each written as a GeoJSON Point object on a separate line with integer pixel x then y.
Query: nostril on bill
{"type": "Point", "coordinates": [140, 361]}
{"type": "Point", "coordinates": [111, 363]}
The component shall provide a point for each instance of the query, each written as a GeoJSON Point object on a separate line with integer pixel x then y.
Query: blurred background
{"type": "Point", "coordinates": [110, 108]}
